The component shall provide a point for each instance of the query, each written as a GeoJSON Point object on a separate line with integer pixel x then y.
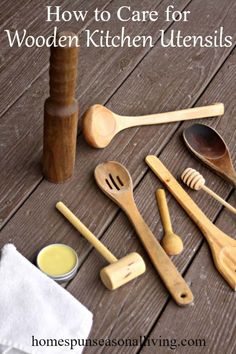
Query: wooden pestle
{"type": "Point", "coordinates": [171, 242]}
{"type": "Point", "coordinates": [61, 112]}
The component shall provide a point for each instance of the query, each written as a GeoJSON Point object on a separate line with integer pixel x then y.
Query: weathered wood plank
{"type": "Point", "coordinates": [15, 61]}
{"type": "Point", "coordinates": [213, 315]}
{"type": "Point", "coordinates": [39, 207]}
{"type": "Point", "coordinates": [10, 11]}
{"type": "Point", "coordinates": [28, 112]}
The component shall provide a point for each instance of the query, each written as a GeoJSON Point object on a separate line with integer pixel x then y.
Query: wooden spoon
{"type": "Point", "coordinates": [171, 242]}
{"type": "Point", "coordinates": [222, 246]}
{"type": "Point", "coordinates": [115, 181]}
{"type": "Point", "coordinates": [208, 146]}
{"type": "Point", "coordinates": [100, 125]}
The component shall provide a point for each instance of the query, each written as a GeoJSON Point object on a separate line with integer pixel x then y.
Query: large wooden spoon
{"type": "Point", "coordinates": [115, 181]}
{"type": "Point", "coordinates": [222, 246]}
{"type": "Point", "coordinates": [208, 146]}
{"type": "Point", "coordinates": [100, 125]}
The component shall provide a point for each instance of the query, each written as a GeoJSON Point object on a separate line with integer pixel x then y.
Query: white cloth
{"type": "Point", "coordinates": [31, 304]}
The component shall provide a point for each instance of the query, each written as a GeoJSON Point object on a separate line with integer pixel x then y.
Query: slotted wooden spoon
{"type": "Point", "coordinates": [222, 246]}
{"type": "Point", "coordinates": [115, 181]}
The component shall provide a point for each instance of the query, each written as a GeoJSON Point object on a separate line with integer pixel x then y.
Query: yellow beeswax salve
{"type": "Point", "coordinates": [58, 261]}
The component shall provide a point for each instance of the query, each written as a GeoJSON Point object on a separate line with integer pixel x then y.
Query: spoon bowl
{"type": "Point", "coordinates": [99, 126]}
{"type": "Point", "coordinates": [114, 179]}
{"type": "Point", "coordinates": [172, 244]}
{"type": "Point", "coordinates": [209, 147]}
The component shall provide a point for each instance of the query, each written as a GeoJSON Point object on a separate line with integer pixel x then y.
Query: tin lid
{"type": "Point", "coordinates": [58, 261]}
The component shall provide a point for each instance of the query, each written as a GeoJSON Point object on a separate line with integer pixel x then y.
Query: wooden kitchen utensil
{"type": "Point", "coordinates": [208, 146]}
{"type": "Point", "coordinates": [196, 181]}
{"type": "Point", "coordinates": [115, 181]}
{"type": "Point", "coordinates": [119, 272]}
{"type": "Point", "coordinates": [61, 113]}
{"type": "Point", "coordinates": [100, 125]}
{"type": "Point", "coordinates": [222, 246]}
{"type": "Point", "coordinates": [171, 242]}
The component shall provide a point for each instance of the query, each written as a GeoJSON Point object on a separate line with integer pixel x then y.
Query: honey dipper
{"type": "Point", "coordinates": [196, 181]}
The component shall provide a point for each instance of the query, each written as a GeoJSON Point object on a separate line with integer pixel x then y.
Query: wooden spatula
{"type": "Point", "coordinates": [222, 246]}
{"type": "Point", "coordinates": [115, 181]}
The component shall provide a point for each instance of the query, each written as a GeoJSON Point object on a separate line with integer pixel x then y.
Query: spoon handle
{"type": "Point", "coordinates": [216, 109]}
{"type": "Point", "coordinates": [171, 277]}
{"type": "Point", "coordinates": [98, 245]}
{"type": "Point", "coordinates": [219, 199]}
{"type": "Point", "coordinates": [232, 179]}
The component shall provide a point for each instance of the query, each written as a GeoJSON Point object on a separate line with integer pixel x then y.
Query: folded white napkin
{"type": "Point", "coordinates": [34, 306]}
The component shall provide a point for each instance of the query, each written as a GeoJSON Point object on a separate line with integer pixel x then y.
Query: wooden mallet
{"type": "Point", "coordinates": [196, 181]}
{"type": "Point", "coordinates": [119, 272]}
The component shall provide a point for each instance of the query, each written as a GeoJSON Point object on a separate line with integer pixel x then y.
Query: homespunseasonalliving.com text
{"type": "Point", "coordinates": [171, 343]}
{"type": "Point", "coordinates": [107, 38]}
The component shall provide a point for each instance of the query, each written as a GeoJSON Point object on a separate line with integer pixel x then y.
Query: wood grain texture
{"type": "Point", "coordinates": [119, 322]}
{"type": "Point", "coordinates": [10, 13]}
{"type": "Point", "coordinates": [184, 75]}
{"type": "Point", "coordinates": [28, 110]}
{"type": "Point", "coordinates": [15, 61]}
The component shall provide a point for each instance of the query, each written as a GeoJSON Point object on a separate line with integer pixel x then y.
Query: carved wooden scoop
{"type": "Point", "coordinates": [222, 246]}
{"type": "Point", "coordinates": [100, 125]}
{"type": "Point", "coordinates": [115, 181]}
{"type": "Point", "coordinates": [207, 145]}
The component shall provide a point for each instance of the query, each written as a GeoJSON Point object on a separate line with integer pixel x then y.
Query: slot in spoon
{"type": "Point", "coordinates": [115, 181]}
{"type": "Point", "coordinates": [209, 147]}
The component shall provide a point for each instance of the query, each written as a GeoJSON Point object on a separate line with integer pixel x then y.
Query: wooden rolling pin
{"type": "Point", "coordinates": [61, 113]}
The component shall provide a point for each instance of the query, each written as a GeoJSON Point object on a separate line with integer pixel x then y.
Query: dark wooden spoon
{"type": "Point", "coordinates": [208, 146]}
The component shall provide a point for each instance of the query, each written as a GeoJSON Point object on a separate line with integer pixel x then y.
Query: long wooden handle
{"type": "Point", "coordinates": [172, 279]}
{"type": "Point", "coordinates": [221, 200]}
{"type": "Point", "coordinates": [164, 210]}
{"type": "Point", "coordinates": [216, 109]}
{"type": "Point", "coordinates": [86, 233]}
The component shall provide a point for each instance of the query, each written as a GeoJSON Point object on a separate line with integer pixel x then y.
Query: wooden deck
{"type": "Point", "coordinates": [130, 81]}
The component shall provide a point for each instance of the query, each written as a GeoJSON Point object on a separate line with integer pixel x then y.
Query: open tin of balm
{"type": "Point", "coordinates": [58, 261]}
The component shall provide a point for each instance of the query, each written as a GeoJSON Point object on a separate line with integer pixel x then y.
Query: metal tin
{"type": "Point", "coordinates": [61, 278]}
